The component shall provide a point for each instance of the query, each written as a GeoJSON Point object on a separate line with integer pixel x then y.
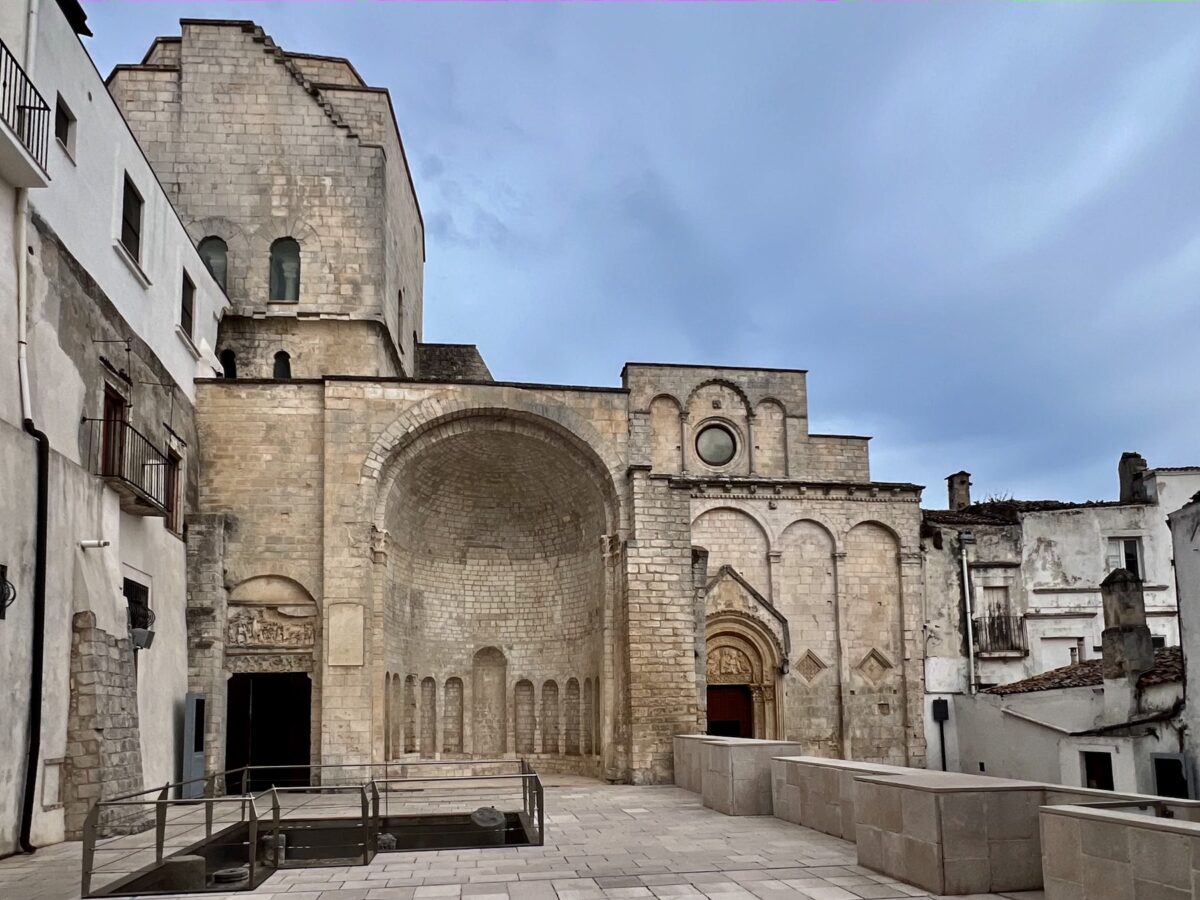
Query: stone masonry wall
{"type": "Point", "coordinates": [104, 756]}
{"type": "Point", "coordinates": [252, 151]}
{"type": "Point", "coordinates": [316, 347]}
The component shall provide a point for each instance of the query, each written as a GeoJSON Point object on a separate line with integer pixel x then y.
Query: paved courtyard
{"type": "Point", "coordinates": [601, 841]}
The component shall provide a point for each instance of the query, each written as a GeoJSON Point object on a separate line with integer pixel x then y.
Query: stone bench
{"type": "Point", "coordinates": [818, 792]}
{"type": "Point", "coordinates": [951, 833]}
{"type": "Point", "coordinates": [732, 775]}
{"type": "Point", "coordinates": [946, 832]}
{"type": "Point", "coordinates": [1129, 852]}
{"type": "Point", "coordinates": [689, 758]}
{"type": "Point", "coordinates": [737, 775]}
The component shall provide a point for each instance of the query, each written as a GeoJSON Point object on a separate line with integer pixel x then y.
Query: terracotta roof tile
{"type": "Point", "coordinates": [1167, 668]}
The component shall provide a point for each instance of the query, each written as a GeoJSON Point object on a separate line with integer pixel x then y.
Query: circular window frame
{"type": "Point", "coordinates": [730, 429]}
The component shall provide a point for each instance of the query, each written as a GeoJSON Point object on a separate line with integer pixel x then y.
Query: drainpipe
{"type": "Point", "coordinates": [965, 539]}
{"type": "Point", "coordinates": [20, 240]}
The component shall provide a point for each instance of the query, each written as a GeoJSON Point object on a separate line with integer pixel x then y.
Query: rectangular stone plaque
{"type": "Point", "coordinates": [345, 634]}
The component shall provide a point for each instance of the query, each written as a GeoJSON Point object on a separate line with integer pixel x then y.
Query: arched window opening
{"type": "Point", "coordinates": [228, 363]}
{"type": "Point", "coordinates": [285, 270]}
{"type": "Point", "coordinates": [214, 253]}
{"type": "Point", "coordinates": [283, 365]}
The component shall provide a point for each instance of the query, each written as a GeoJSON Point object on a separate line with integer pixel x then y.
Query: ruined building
{"type": "Point", "coordinates": [392, 554]}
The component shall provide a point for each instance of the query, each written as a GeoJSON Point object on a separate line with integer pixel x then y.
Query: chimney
{"type": "Point", "coordinates": [1129, 473]}
{"type": "Point", "coordinates": [958, 486]}
{"type": "Point", "coordinates": [1127, 648]}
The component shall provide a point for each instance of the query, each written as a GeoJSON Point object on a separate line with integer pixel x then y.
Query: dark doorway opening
{"type": "Point", "coordinates": [267, 724]}
{"type": "Point", "coordinates": [730, 710]}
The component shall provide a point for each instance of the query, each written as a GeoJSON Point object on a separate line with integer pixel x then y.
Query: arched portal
{"type": "Point", "coordinates": [742, 671]}
{"type": "Point", "coordinates": [496, 569]}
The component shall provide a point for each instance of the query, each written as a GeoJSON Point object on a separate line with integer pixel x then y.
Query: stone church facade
{"type": "Point", "coordinates": [412, 559]}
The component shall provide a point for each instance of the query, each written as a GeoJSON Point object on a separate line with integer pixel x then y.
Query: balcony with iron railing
{"type": "Point", "coordinates": [24, 126]}
{"type": "Point", "coordinates": [1000, 635]}
{"type": "Point", "coordinates": [145, 478]}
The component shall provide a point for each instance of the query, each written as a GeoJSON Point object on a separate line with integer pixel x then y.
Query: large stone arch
{"type": "Point", "coordinates": [379, 467]}
{"type": "Point", "coordinates": [498, 525]}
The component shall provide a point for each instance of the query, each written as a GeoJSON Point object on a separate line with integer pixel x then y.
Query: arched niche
{"type": "Point", "coordinates": [488, 707]}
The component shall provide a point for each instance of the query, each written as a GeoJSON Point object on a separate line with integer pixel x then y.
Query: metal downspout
{"type": "Point", "coordinates": [965, 538]}
{"type": "Point", "coordinates": [20, 241]}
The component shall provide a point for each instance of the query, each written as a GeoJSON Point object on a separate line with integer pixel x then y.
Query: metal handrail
{"type": "Point", "coordinates": [120, 451]}
{"type": "Point", "coordinates": [248, 811]}
{"type": "Point", "coordinates": [23, 108]}
{"type": "Point", "coordinates": [153, 806]}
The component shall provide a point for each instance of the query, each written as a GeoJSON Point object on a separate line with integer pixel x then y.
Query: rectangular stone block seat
{"type": "Point", "coordinates": [818, 792]}
{"type": "Point", "coordinates": [737, 775]}
{"type": "Point", "coordinates": [951, 833]}
{"type": "Point", "coordinates": [689, 758]}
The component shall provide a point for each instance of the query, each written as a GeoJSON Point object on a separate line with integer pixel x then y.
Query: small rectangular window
{"type": "Point", "coordinates": [187, 305]}
{"type": "Point", "coordinates": [131, 219]}
{"type": "Point", "coordinates": [1097, 770]}
{"type": "Point", "coordinates": [64, 126]}
{"type": "Point", "coordinates": [1124, 553]}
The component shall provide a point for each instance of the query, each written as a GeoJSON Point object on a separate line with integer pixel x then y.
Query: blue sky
{"type": "Point", "coordinates": [977, 225]}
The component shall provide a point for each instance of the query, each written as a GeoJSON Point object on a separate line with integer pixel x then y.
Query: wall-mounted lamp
{"type": "Point", "coordinates": [8, 593]}
{"type": "Point", "coordinates": [93, 545]}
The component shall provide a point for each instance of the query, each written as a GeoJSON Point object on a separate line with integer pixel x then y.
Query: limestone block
{"type": "Point", "coordinates": [346, 636]}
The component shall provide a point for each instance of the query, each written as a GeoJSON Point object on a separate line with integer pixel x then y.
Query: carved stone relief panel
{"type": "Point", "coordinates": [728, 665]}
{"type": "Point", "coordinates": [269, 662]}
{"type": "Point", "coordinates": [266, 627]}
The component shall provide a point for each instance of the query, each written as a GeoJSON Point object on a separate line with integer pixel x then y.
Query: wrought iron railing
{"type": "Point", "coordinates": [122, 453]}
{"type": "Point", "coordinates": [22, 107]}
{"type": "Point", "coordinates": [1000, 634]}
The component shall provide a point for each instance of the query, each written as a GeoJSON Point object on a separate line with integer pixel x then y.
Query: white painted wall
{"type": "Point", "coordinates": [83, 206]}
{"type": "Point", "coordinates": [1185, 530]}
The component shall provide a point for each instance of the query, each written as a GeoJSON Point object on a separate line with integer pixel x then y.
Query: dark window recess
{"type": "Point", "coordinates": [285, 270]}
{"type": "Point", "coordinates": [1097, 770]}
{"type": "Point", "coordinates": [229, 363]}
{"type": "Point", "coordinates": [137, 595]}
{"type": "Point", "coordinates": [131, 220]}
{"type": "Point", "coordinates": [283, 365]}
{"type": "Point", "coordinates": [1170, 775]}
{"type": "Point", "coordinates": [1158, 641]}
{"type": "Point", "coordinates": [214, 253]}
{"type": "Point", "coordinates": [187, 304]}
{"type": "Point", "coordinates": [64, 125]}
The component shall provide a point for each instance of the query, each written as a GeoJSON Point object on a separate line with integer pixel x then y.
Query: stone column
{"type": "Point", "coordinates": [841, 664]}
{"type": "Point", "coordinates": [912, 647]}
{"type": "Point", "coordinates": [206, 622]}
{"type": "Point", "coordinates": [662, 624]}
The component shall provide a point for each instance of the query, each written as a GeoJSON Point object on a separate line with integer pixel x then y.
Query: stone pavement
{"type": "Point", "coordinates": [602, 841]}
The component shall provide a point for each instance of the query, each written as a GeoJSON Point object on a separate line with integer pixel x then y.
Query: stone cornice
{"type": "Point", "coordinates": [774, 489]}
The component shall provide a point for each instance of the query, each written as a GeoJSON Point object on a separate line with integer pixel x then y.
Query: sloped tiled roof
{"type": "Point", "coordinates": [1167, 668]}
{"type": "Point", "coordinates": [1008, 512]}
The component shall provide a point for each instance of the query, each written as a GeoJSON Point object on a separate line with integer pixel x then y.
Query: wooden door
{"type": "Point", "coordinates": [730, 710]}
